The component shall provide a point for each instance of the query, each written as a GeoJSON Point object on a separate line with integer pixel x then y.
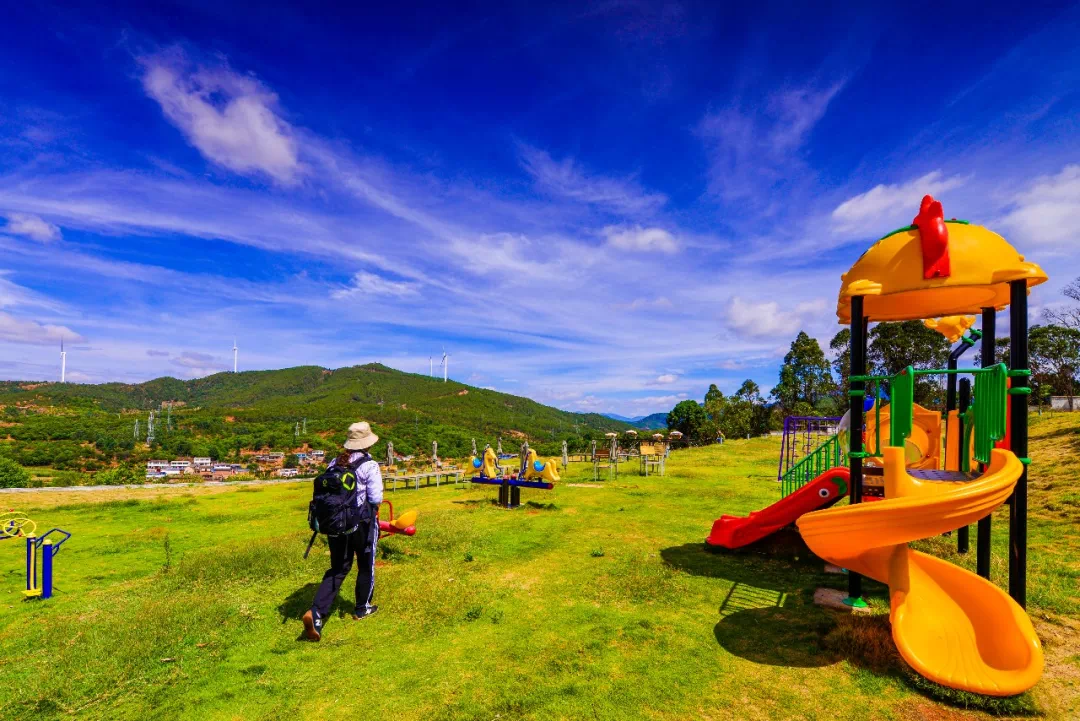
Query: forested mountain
{"type": "Point", "coordinates": [91, 426]}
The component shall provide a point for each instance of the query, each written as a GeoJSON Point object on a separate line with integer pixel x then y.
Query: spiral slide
{"type": "Point", "coordinates": [951, 626]}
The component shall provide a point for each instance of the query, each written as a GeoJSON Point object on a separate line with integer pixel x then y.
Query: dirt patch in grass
{"type": "Point", "coordinates": [1056, 691]}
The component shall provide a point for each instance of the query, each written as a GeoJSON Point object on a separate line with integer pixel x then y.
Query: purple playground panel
{"type": "Point", "coordinates": [802, 435]}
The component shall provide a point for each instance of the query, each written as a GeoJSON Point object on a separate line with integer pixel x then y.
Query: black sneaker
{"type": "Point", "coordinates": [312, 626]}
{"type": "Point", "coordinates": [364, 612]}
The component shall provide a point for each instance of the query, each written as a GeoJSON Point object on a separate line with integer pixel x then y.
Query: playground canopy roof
{"type": "Point", "coordinates": [890, 276]}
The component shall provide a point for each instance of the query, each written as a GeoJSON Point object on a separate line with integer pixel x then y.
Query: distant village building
{"type": "Point", "coordinates": [1065, 403]}
{"type": "Point", "coordinates": [287, 472]}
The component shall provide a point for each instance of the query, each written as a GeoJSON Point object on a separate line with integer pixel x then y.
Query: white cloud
{"type": "Point", "coordinates": [864, 213]}
{"type": "Point", "coordinates": [195, 364]}
{"type": "Point", "coordinates": [24, 330]}
{"type": "Point", "coordinates": [812, 307]}
{"type": "Point", "coordinates": [667, 378]}
{"type": "Point", "coordinates": [640, 239]}
{"type": "Point", "coordinates": [1048, 211]}
{"type": "Point", "coordinates": [760, 320]}
{"type": "Point", "coordinates": [567, 179]}
{"type": "Point", "coordinates": [31, 226]}
{"type": "Point", "coordinates": [157, 353]}
{"type": "Point", "coordinates": [230, 118]}
{"type": "Point", "coordinates": [364, 283]}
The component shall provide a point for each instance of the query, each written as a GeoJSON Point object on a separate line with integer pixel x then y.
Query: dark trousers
{"type": "Point", "coordinates": [361, 543]}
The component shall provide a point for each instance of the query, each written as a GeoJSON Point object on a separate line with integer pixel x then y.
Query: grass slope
{"type": "Point", "coordinates": [591, 602]}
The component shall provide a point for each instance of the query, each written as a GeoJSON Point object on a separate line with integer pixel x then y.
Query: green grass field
{"type": "Point", "coordinates": [589, 602]}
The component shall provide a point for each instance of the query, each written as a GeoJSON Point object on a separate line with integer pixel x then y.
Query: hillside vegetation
{"type": "Point", "coordinates": [88, 427]}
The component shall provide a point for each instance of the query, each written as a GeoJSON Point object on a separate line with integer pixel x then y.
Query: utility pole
{"type": "Point", "coordinates": [150, 429]}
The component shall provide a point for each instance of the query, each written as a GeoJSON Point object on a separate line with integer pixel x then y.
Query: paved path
{"type": "Point", "coordinates": [152, 486]}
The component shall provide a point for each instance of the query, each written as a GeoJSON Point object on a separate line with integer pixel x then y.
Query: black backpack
{"type": "Point", "coordinates": [333, 510]}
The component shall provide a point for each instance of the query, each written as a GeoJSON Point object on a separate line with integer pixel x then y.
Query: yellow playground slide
{"type": "Point", "coordinates": [950, 625]}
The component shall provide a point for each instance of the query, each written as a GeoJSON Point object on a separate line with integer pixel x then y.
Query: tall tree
{"type": "Point", "coordinates": [745, 413]}
{"type": "Point", "coordinates": [804, 376]}
{"type": "Point", "coordinates": [713, 395]}
{"type": "Point", "coordinates": [840, 346]}
{"type": "Point", "coordinates": [1068, 317]}
{"type": "Point", "coordinates": [895, 346]}
{"type": "Point", "coordinates": [688, 417]}
{"type": "Point", "coordinates": [714, 404]}
{"type": "Point", "coordinates": [1055, 358]}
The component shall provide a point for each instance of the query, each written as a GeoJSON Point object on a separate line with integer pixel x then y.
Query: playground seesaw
{"type": "Point", "coordinates": [405, 524]}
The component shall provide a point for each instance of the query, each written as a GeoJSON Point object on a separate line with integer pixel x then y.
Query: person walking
{"type": "Point", "coordinates": [360, 542]}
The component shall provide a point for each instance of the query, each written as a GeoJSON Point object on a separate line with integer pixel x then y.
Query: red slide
{"type": "Point", "coordinates": [825, 490]}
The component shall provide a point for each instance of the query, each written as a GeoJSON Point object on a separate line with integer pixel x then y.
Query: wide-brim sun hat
{"type": "Point", "coordinates": [360, 437]}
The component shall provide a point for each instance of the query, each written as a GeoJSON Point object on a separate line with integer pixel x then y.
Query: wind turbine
{"type": "Point", "coordinates": [234, 352]}
{"type": "Point", "coordinates": [63, 361]}
{"type": "Point", "coordinates": [445, 365]}
{"type": "Point", "coordinates": [430, 368]}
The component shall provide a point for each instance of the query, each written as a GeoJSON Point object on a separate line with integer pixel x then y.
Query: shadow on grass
{"type": "Point", "coordinates": [299, 601]}
{"type": "Point", "coordinates": [768, 617]}
{"type": "Point", "coordinates": [764, 617]}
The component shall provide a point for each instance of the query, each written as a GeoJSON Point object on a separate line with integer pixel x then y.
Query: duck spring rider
{"type": "Point", "coordinates": [533, 473]}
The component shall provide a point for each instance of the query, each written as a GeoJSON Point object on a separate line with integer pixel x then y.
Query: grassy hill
{"type": "Point", "coordinates": [86, 427]}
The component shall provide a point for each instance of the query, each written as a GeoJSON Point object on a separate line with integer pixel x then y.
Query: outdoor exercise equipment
{"type": "Point", "coordinates": [13, 525]}
{"type": "Point", "coordinates": [952, 626]}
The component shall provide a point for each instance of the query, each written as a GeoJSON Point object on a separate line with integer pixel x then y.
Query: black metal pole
{"type": "Point", "coordinates": [1018, 420]}
{"type": "Point", "coordinates": [982, 542]}
{"type": "Point", "coordinates": [858, 368]}
{"type": "Point", "coordinates": [963, 535]}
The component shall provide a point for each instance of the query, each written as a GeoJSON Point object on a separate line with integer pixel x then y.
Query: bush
{"type": "Point", "coordinates": [12, 475]}
{"type": "Point", "coordinates": [119, 476]}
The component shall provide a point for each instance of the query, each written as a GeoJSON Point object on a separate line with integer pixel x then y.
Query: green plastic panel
{"type": "Point", "coordinates": [902, 408]}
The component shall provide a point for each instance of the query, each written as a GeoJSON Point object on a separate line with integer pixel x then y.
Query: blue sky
{"type": "Point", "coordinates": [603, 206]}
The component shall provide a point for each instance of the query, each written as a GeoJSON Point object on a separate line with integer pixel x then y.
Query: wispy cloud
{"type": "Point", "coordinates": [641, 239]}
{"type": "Point", "coordinates": [370, 284]}
{"type": "Point", "coordinates": [769, 319]}
{"type": "Point", "coordinates": [231, 118]}
{"type": "Point", "coordinates": [867, 213]}
{"type": "Point", "coordinates": [31, 226]}
{"type": "Point", "coordinates": [1047, 212]}
{"type": "Point", "coordinates": [194, 364]}
{"type": "Point", "coordinates": [754, 146]}
{"type": "Point", "coordinates": [567, 179]}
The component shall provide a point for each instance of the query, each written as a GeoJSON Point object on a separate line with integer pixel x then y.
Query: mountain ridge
{"type": "Point", "coordinates": [82, 425]}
